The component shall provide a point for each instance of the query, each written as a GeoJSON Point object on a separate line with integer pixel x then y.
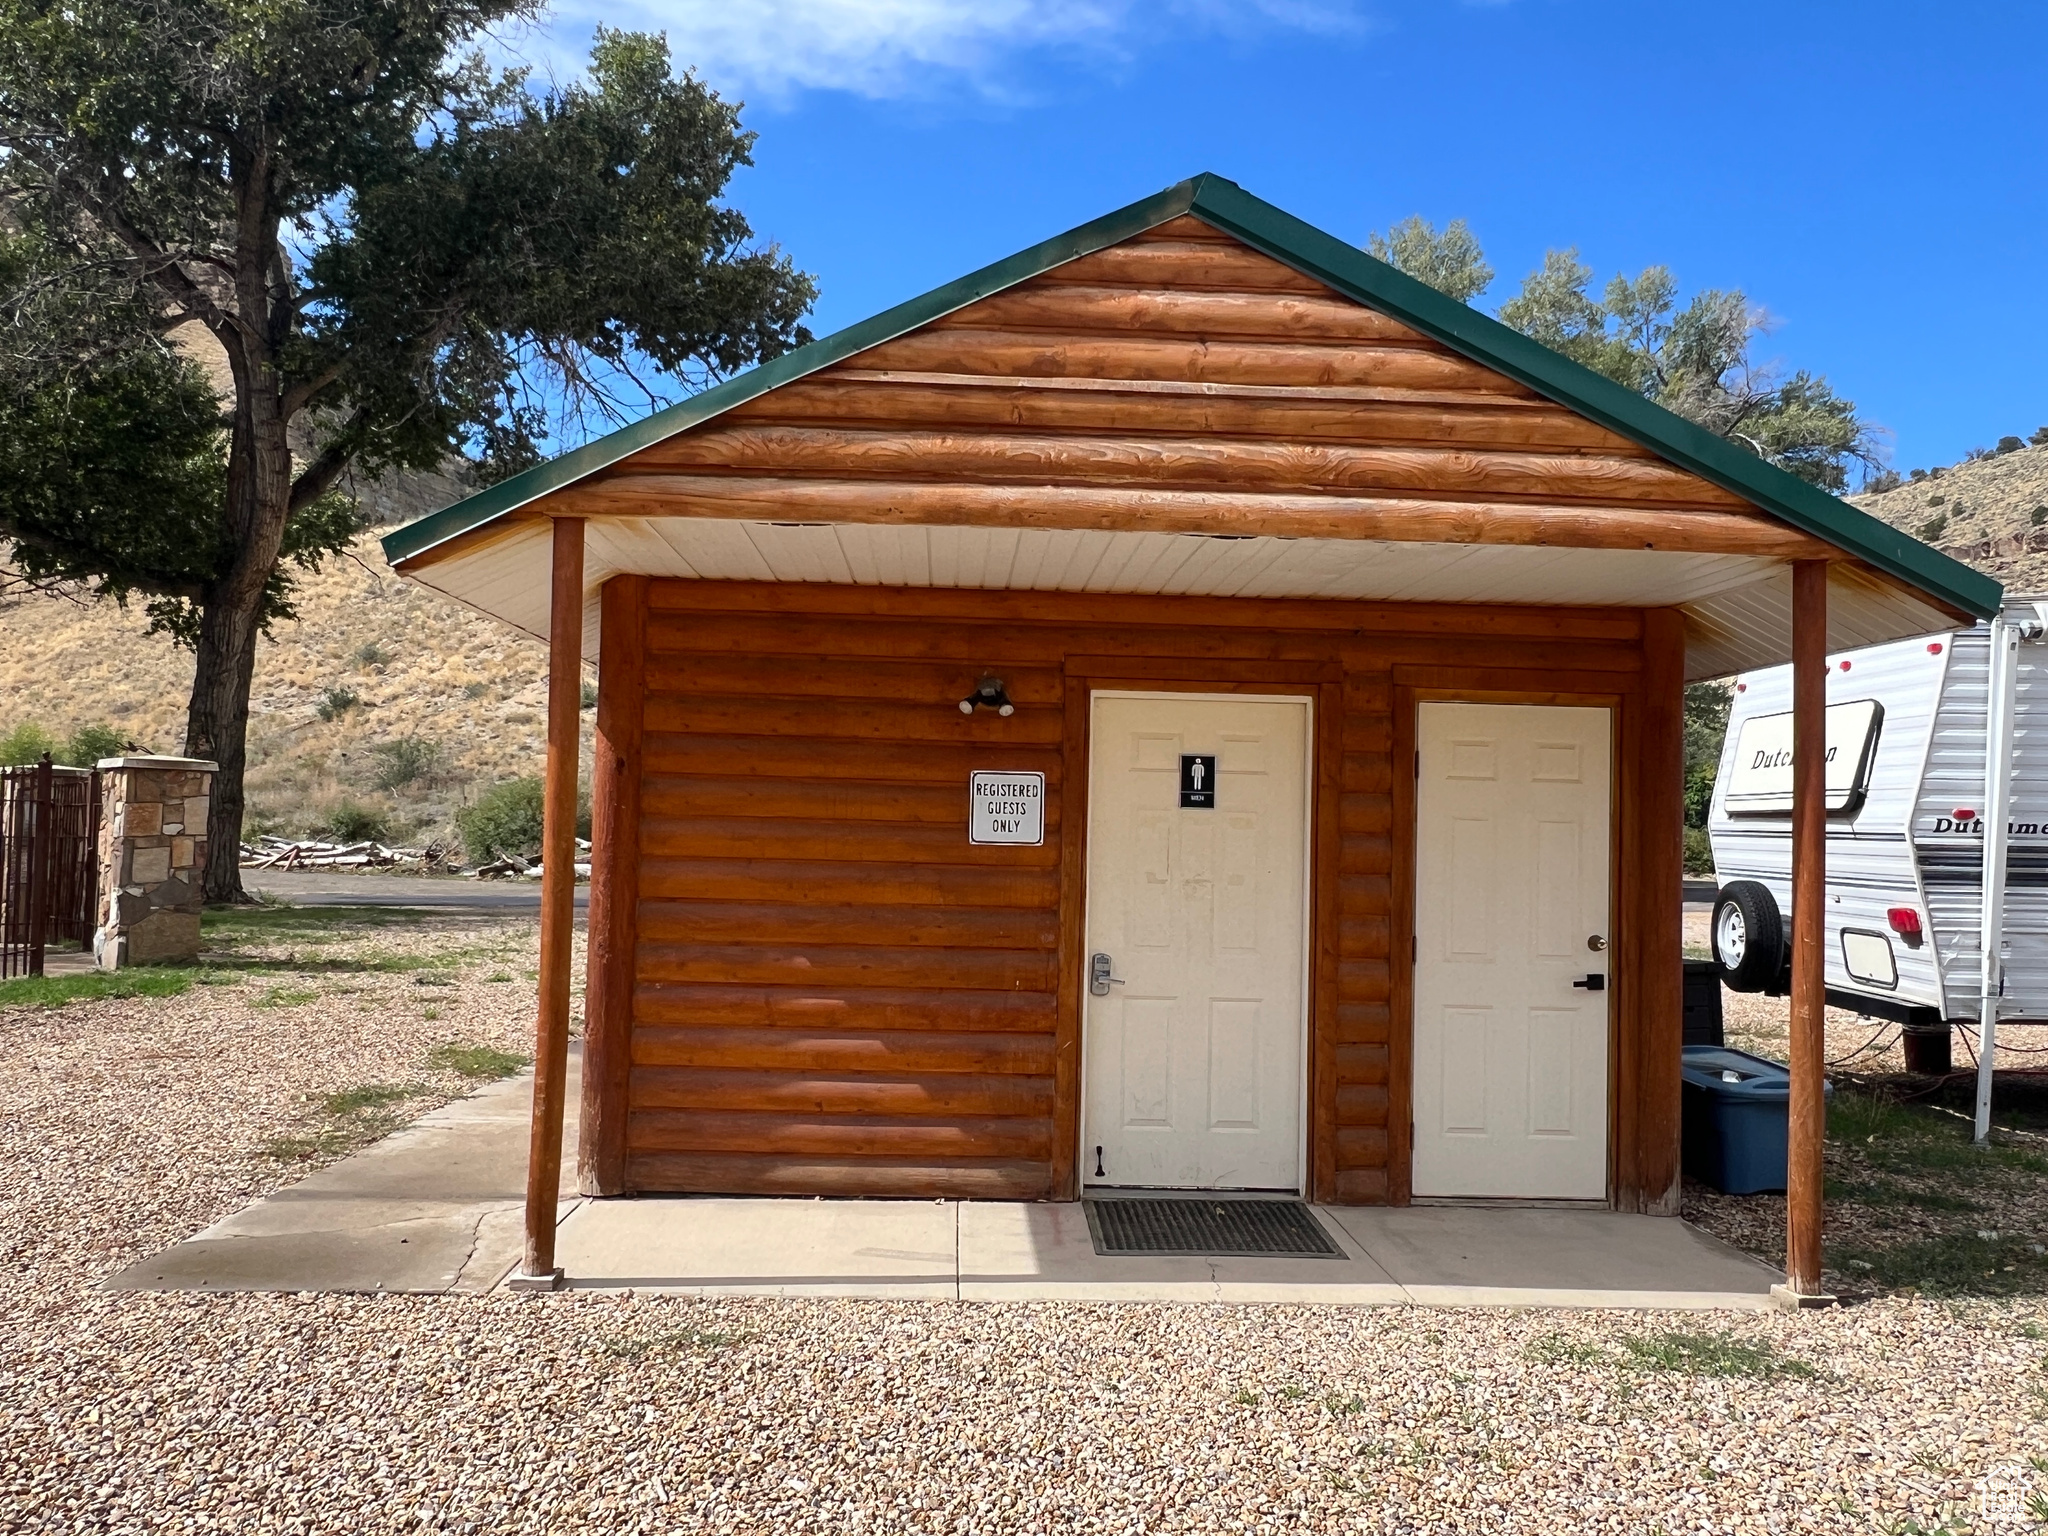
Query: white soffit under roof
{"type": "Point", "coordinates": [1738, 607]}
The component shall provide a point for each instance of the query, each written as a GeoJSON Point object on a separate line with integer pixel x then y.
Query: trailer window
{"type": "Point", "coordinates": [1760, 778]}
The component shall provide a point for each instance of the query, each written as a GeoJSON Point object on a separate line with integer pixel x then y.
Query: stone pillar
{"type": "Point", "coordinates": [152, 859]}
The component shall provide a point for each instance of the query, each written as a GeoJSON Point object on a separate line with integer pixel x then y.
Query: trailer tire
{"type": "Point", "coordinates": [1748, 936]}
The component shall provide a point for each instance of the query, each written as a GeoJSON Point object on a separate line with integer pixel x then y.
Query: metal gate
{"type": "Point", "coordinates": [49, 861]}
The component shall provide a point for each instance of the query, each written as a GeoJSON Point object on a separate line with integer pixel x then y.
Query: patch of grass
{"type": "Point", "coordinates": [264, 922]}
{"type": "Point", "coordinates": [355, 1117]}
{"type": "Point", "coordinates": [1247, 1398]}
{"type": "Point", "coordinates": [1882, 1192]}
{"type": "Point", "coordinates": [92, 986]}
{"type": "Point", "coordinates": [1854, 1116]}
{"type": "Point", "coordinates": [286, 997]}
{"type": "Point", "coordinates": [1955, 1264]}
{"type": "Point", "coordinates": [501, 976]}
{"type": "Point", "coordinates": [1710, 1354]}
{"type": "Point", "coordinates": [1563, 1349]}
{"type": "Point", "coordinates": [671, 1342]}
{"type": "Point", "coordinates": [479, 1062]}
{"type": "Point", "coordinates": [367, 1096]}
{"type": "Point", "coordinates": [433, 979]}
{"type": "Point", "coordinates": [1343, 1406]}
{"type": "Point", "coordinates": [1292, 1393]}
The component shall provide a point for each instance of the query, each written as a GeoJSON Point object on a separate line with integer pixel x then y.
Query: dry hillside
{"type": "Point", "coordinates": [473, 691]}
{"type": "Point", "coordinates": [1990, 512]}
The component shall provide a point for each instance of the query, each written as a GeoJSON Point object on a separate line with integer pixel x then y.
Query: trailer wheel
{"type": "Point", "coordinates": [1749, 936]}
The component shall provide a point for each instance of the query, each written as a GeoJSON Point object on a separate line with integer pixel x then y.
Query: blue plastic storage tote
{"type": "Point", "coordinates": [1735, 1113]}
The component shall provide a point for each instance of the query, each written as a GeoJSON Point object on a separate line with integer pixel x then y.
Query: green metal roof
{"type": "Point", "coordinates": [1349, 271]}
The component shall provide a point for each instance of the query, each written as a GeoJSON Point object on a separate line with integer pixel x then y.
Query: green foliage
{"type": "Point", "coordinates": [1711, 1354]}
{"type": "Point", "coordinates": [481, 1062]}
{"type": "Point", "coordinates": [506, 818]}
{"type": "Point", "coordinates": [90, 743]}
{"type": "Point", "coordinates": [2008, 444]}
{"type": "Point", "coordinates": [408, 760]}
{"type": "Point", "coordinates": [1952, 1264]}
{"type": "Point", "coordinates": [1698, 852]}
{"type": "Point", "coordinates": [587, 698]}
{"type": "Point", "coordinates": [1706, 723]}
{"type": "Point", "coordinates": [2039, 439]}
{"type": "Point", "coordinates": [26, 743]}
{"type": "Point", "coordinates": [2038, 516]}
{"type": "Point", "coordinates": [91, 986]}
{"type": "Point", "coordinates": [371, 654]}
{"type": "Point", "coordinates": [1934, 527]}
{"type": "Point", "coordinates": [350, 822]}
{"type": "Point", "coordinates": [1451, 262]}
{"type": "Point", "coordinates": [336, 702]}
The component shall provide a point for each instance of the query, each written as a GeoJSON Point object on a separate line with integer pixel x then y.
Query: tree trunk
{"type": "Point", "coordinates": [259, 491]}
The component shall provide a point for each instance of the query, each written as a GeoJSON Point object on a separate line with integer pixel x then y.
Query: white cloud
{"type": "Point", "coordinates": [916, 47]}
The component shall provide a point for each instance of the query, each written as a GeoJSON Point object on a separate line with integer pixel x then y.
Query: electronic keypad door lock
{"type": "Point", "coordinates": [1099, 979]}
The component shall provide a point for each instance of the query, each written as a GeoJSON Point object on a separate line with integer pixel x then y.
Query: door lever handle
{"type": "Point", "coordinates": [1099, 979]}
{"type": "Point", "coordinates": [1592, 983]}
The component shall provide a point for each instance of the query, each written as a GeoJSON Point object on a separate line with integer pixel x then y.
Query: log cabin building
{"type": "Point", "coordinates": [1185, 706]}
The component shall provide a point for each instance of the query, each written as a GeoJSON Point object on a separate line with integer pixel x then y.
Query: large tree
{"type": "Point", "coordinates": [404, 253]}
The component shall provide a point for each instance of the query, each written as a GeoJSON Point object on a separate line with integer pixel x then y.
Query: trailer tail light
{"type": "Point", "coordinates": [1845, 666]}
{"type": "Point", "coordinates": [1905, 922]}
{"type": "Point", "coordinates": [1934, 648]}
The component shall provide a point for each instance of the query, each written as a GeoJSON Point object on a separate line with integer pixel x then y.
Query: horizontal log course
{"type": "Point", "coordinates": [1234, 514]}
{"type": "Point", "coordinates": [673, 753]}
{"type": "Point", "coordinates": [1362, 981]}
{"type": "Point", "coordinates": [1360, 1146]}
{"type": "Point", "coordinates": [849, 965]}
{"type": "Point", "coordinates": [723, 714]}
{"type": "Point", "coordinates": [929, 1010]}
{"type": "Point", "coordinates": [837, 842]}
{"type": "Point", "coordinates": [1362, 1064]}
{"type": "Point", "coordinates": [824, 798]}
{"type": "Point", "coordinates": [841, 677]}
{"type": "Point", "coordinates": [1365, 893]}
{"type": "Point", "coordinates": [1358, 812]}
{"type": "Point", "coordinates": [1359, 853]}
{"type": "Point", "coordinates": [754, 1174]}
{"type": "Point", "coordinates": [794, 880]}
{"type": "Point", "coordinates": [1118, 309]}
{"type": "Point", "coordinates": [939, 1095]}
{"type": "Point", "coordinates": [1363, 936]}
{"type": "Point", "coordinates": [1029, 630]}
{"type": "Point", "coordinates": [882, 1052]}
{"type": "Point", "coordinates": [993, 458]}
{"type": "Point", "coordinates": [1367, 773]}
{"type": "Point", "coordinates": [944, 927]}
{"type": "Point", "coordinates": [1289, 364]}
{"type": "Point", "coordinates": [1361, 1104]}
{"type": "Point", "coordinates": [1363, 1023]}
{"type": "Point", "coordinates": [1365, 415]}
{"type": "Point", "coordinates": [670, 1130]}
{"type": "Point", "coordinates": [1099, 618]}
{"type": "Point", "coordinates": [1361, 1186]}
{"type": "Point", "coordinates": [1188, 263]}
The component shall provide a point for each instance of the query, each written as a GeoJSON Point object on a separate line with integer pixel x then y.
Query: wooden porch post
{"type": "Point", "coordinates": [557, 907]}
{"type": "Point", "coordinates": [1808, 1108]}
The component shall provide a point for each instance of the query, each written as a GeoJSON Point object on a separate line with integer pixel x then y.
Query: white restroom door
{"type": "Point", "coordinates": [1512, 817]}
{"type": "Point", "coordinates": [1192, 1068]}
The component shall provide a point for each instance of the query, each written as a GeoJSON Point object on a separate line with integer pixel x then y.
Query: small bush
{"type": "Point", "coordinates": [26, 743]}
{"type": "Point", "coordinates": [1918, 474]}
{"type": "Point", "coordinates": [2038, 516]}
{"type": "Point", "coordinates": [1699, 852]}
{"type": "Point", "coordinates": [589, 695]}
{"type": "Point", "coordinates": [2009, 444]}
{"type": "Point", "coordinates": [1935, 501]}
{"type": "Point", "coordinates": [337, 702]}
{"type": "Point", "coordinates": [1934, 527]}
{"type": "Point", "coordinates": [350, 822]}
{"type": "Point", "coordinates": [2040, 437]}
{"type": "Point", "coordinates": [371, 654]}
{"type": "Point", "coordinates": [507, 819]}
{"type": "Point", "coordinates": [475, 690]}
{"type": "Point", "coordinates": [408, 760]}
{"type": "Point", "coordinates": [90, 743]}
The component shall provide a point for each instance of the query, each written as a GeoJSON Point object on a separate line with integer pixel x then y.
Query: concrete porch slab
{"type": "Point", "coordinates": [438, 1206]}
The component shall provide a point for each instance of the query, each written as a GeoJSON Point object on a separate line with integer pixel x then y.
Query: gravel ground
{"type": "Point", "coordinates": [128, 1124]}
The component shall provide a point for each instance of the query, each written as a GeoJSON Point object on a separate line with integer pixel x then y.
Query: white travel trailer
{"type": "Point", "coordinates": [1908, 728]}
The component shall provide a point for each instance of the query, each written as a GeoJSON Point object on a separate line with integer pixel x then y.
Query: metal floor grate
{"type": "Point", "coordinates": [1208, 1228]}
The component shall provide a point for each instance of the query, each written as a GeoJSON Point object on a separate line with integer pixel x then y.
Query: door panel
{"type": "Point", "coordinates": [1512, 823]}
{"type": "Point", "coordinates": [1192, 1066]}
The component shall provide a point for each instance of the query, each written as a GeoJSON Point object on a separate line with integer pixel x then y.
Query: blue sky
{"type": "Point", "coordinates": [1874, 174]}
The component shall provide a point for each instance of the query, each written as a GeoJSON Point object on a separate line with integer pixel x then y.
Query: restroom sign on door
{"type": "Point", "coordinates": [1197, 782]}
{"type": "Point", "coordinates": [1006, 808]}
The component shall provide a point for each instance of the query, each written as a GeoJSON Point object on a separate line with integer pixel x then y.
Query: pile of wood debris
{"type": "Point", "coordinates": [305, 853]}
{"type": "Point", "coordinates": [511, 866]}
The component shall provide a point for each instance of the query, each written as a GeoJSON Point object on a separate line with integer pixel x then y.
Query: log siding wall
{"type": "Point", "coordinates": [832, 991]}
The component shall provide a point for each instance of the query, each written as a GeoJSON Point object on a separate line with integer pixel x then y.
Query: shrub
{"type": "Point", "coordinates": [90, 743]}
{"type": "Point", "coordinates": [1935, 501]}
{"type": "Point", "coordinates": [475, 690]}
{"type": "Point", "coordinates": [350, 822]}
{"type": "Point", "coordinates": [26, 743]}
{"type": "Point", "coordinates": [2040, 437]}
{"type": "Point", "coordinates": [2038, 516]}
{"type": "Point", "coordinates": [1699, 852]}
{"type": "Point", "coordinates": [408, 760]}
{"type": "Point", "coordinates": [1918, 474]}
{"type": "Point", "coordinates": [2009, 444]}
{"type": "Point", "coordinates": [507, 819]}
{"type": "Point", "coordinates": [1933, 528]}
{"type": "Point", "coordinates": [1883, 480]}
{"type": "Point", "coordinates": [371, 654]}
{"type": "Point", "coordinates": [337, 702]}
{"type": "Point", "coordinates": [588, 697]}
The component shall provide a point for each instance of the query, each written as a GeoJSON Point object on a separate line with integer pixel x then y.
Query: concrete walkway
{"type": "Point", "coordinates": [438, 1206]}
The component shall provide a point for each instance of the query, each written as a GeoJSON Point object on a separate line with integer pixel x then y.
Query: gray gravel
{"type": "Point", "coordinates": [129, 1124]}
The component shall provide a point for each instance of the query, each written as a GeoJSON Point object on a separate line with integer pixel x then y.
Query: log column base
{"type": "Point", "coordinates": [551, 1281]}
{"type": "Point", "coordinates": [1792, 1301]}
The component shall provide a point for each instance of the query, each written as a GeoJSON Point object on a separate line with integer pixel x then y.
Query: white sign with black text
{"type": "Point", "coordinates": [1006, 808]}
